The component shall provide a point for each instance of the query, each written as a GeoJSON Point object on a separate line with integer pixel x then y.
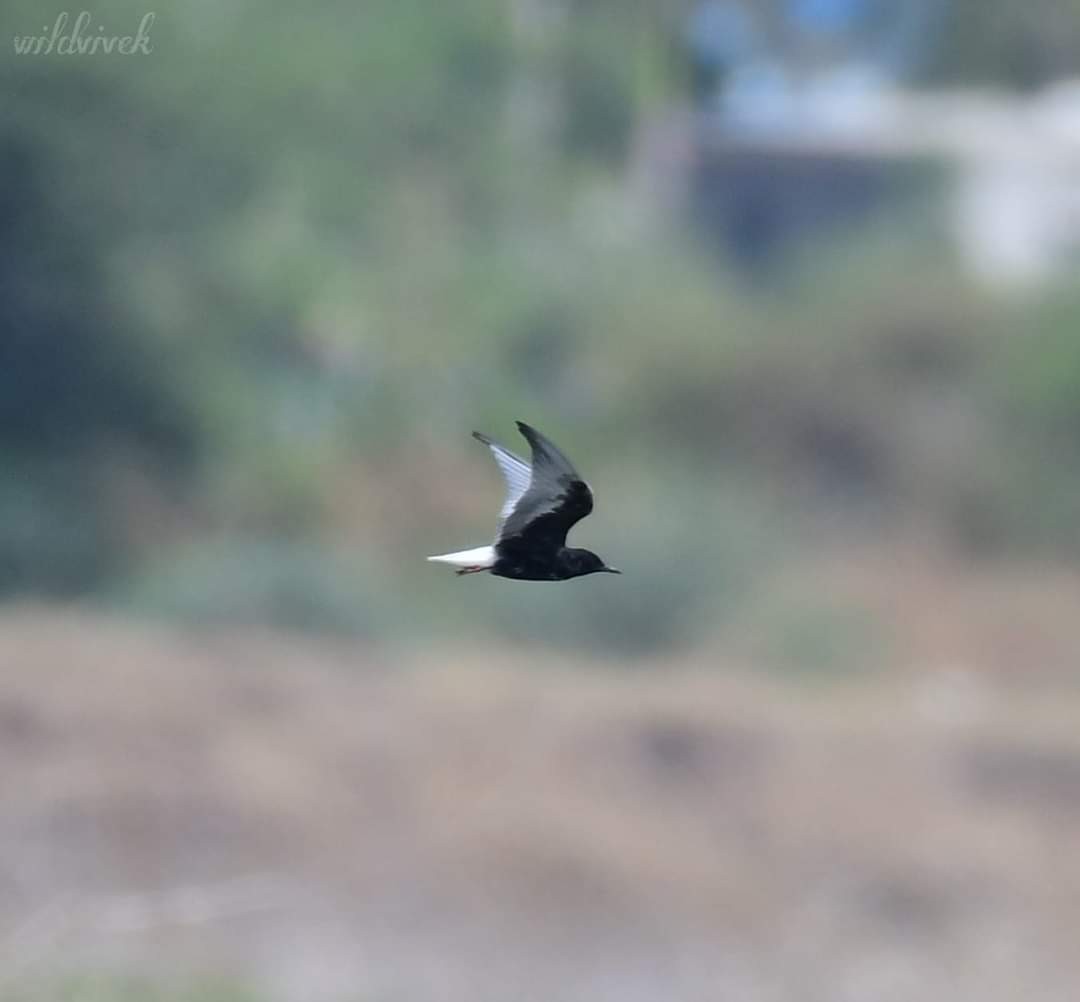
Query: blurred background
{"type": "Point", "coordinates": [793, 281]}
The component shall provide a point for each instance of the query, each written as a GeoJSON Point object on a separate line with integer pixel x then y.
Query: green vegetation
{"type": "Point", "coordinates": [261, 283]}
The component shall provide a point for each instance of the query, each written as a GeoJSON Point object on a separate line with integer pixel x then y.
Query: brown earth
{"type": "Point", "coordinates": [328, 821]}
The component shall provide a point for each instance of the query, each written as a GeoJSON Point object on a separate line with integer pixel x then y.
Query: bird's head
{"type": "Point", "coordinates": [580, 562]}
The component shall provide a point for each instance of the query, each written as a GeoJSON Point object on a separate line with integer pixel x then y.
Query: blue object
{"type": "Point", "coordinates": [828, 16]}
{"type": "Point", "coordinates": [721, 33]}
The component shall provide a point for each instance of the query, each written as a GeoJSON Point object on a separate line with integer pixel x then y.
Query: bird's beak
{"type": "Point", "coordinates": [612, 570]}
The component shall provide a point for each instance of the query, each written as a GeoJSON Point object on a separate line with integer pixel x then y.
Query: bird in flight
{"type": "Point", "coordinates": [543, 501]}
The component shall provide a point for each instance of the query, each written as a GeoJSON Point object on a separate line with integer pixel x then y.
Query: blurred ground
{"type": "Point", "coordinates": [322, 820]}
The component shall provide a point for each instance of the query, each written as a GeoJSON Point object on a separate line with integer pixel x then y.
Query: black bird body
{"type": "Point", "coordinates": [539, 553]}
{"type": "Point", "coordinates": [545, 500]}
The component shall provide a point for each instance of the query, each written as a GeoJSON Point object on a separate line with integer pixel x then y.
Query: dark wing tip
{"type": "Point", "coordinates": [480, 437]}
{"type": "Point", "coordinates": [530, 434]}
{"type": "Point", "coordinates": [546, 453]}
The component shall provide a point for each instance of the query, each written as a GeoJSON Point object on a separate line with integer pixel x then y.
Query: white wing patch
{"type": "Point", "coordinates": [518, 476]}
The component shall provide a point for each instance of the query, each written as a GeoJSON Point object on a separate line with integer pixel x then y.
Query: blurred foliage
{"type": "Point", "coordinates": [260, 284]}
{"type": "Point", "coordinates": [998, 42]}
{"type": "Point", "coordinates": [294, 586]}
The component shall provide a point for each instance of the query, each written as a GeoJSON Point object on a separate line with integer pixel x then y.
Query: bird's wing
{"type": "Point", "coordinates": [555, 500]}
{"type": "Point", "coordinates": [516, 472]}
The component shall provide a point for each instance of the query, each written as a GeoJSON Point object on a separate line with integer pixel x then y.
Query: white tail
{"type": "Point", "coordinates": [482, 557]}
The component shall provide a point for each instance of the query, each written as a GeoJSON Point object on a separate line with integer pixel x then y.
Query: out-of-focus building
{"type": "Point", "coordinates": [810, 121]}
